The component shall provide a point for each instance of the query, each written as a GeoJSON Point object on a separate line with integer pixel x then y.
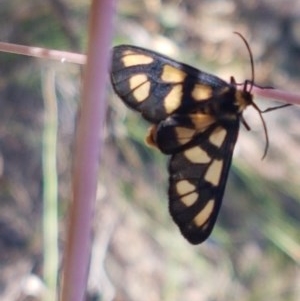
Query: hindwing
{"type": "Point", "coordinates": [198, 170]}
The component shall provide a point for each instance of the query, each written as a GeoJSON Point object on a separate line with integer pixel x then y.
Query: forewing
{"type": "Point", "coordinates": [198, 173]}
{"type": "Point", "coordinates": [158, 86]}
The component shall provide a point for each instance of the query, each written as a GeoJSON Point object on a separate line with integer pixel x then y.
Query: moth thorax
{"type": "Point", "coordinates": [243, 99]}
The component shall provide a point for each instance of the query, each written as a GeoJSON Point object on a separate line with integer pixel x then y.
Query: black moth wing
{"type": "Point", "coordinates": [196, 120]}
{"type": "Point", "coordinates": [198, 171]}
{"type": "Point", "coordinates": [158, 86]}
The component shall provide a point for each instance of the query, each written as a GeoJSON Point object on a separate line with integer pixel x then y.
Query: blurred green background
{"type": "Point", "coordinates": [138, 252]}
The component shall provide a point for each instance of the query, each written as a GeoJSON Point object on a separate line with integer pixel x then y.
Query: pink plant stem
{"type": "Point", "coordinates": [44, 53]}
{"type": "Point", "coordinates": [288, 97]}
{"type": "Point", "coordinates": [88, 151]}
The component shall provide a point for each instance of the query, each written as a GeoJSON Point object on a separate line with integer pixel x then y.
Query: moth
{"type": "Point", "coordinates": [195, 119]}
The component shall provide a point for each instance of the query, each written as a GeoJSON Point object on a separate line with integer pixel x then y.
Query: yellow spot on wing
{"type": "Point", "coordinates": [137, 80]}
{"type": "Point", "coordinates": [171, 74]}
{"type": "Point", "coordinates": [132, 59]}
{"type": "Point", "coordinates": [201, 218]}
{"type": "Point", "coordinates": [201, 92]}
{"type": "Point", "coordinates": [197, 155]}
{"type": "Point", "coordinates": [214, 171]}
{"type": "Point", "coordinates": [173, 100]}
{"type": "Point", "coordinates": [189, 199]}
{"type": "Point", "coordinates": [218, 136]}
{"type": "Point", "coordinates": [142, 92]}
{"type": "Point", "coordinates": [140, 85]}
{"type": "Point", "coordinates": [184, 135]}
{"type": "Point", "coordinates": [201, 121]}
{"type": "Point", "coordinates": [184, 187]}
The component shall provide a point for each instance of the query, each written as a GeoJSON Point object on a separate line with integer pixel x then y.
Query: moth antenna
{"type": "Point", "coordinates": [251, 58]}
{"type": "Point", "coordinates": [265, 129]}
{"type": "Point", "coordinates": [251, 86]}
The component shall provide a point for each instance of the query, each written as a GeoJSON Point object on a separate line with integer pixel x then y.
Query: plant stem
{"type": "Point", "coordinates": [88, 152]}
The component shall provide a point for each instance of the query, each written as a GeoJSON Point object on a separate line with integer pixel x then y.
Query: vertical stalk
{"type": "Point", "coordinates": [50, 185]}
{"type": "Point", "coordinates": [88, 151]}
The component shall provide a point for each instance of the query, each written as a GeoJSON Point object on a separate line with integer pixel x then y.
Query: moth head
{"type": "Point", "coordinates": [243, 99]}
